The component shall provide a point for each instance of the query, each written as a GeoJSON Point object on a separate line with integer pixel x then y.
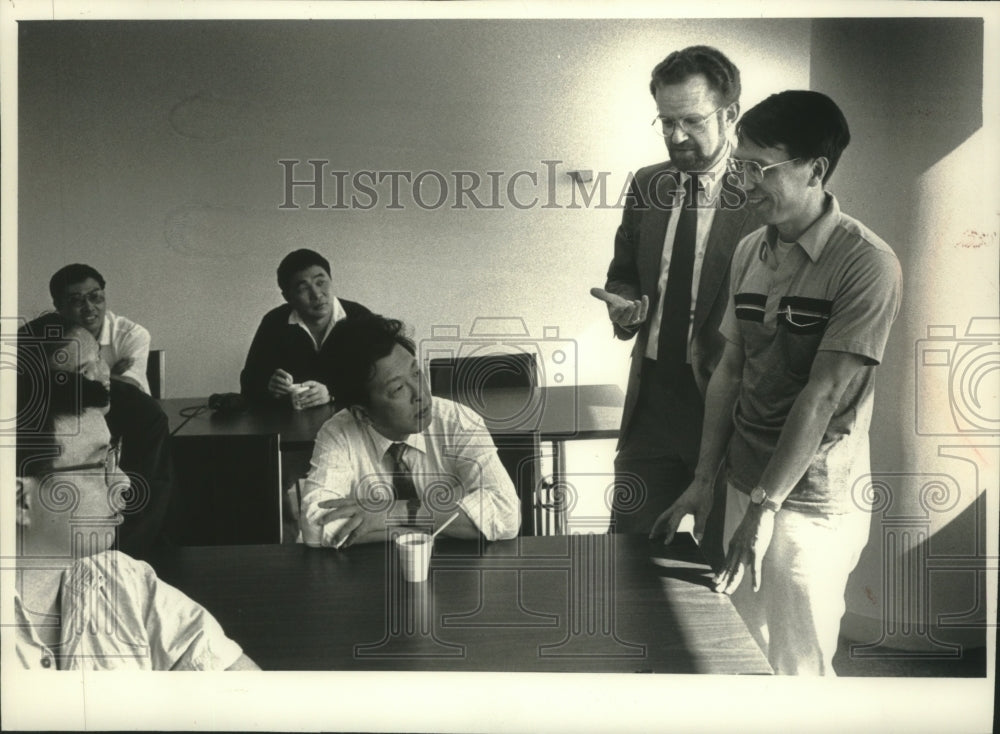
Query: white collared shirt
{"type": "Point", "coordinates": [708, 201]}
{"type": "Point", "coordinates": [453, 459]}
{"type": "Point", "coordinates": [115, 613]}
{"type": "Point", "coordinates": [121, 338]}
{"type": "Point", "coordinates": [337, 315]}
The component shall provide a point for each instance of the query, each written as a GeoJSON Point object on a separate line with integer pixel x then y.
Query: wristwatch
{"type": "Point", "coordinates": [759, 497]}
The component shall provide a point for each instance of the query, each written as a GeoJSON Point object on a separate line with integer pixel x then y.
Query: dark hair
{"type": "Point", "coordinates": [66, 394]}
{"type": "Point", "coordinates": [39, 344]}
{"type": "Point", "coordinates": [808, 124]}
{"type": "Point", "coordinates": [69, 275]}
{"type": "Point", "coordinates": [298, 261]}
{"type": "Point", "coordinates": [357, 343]}
{"type": "Point", "coordinates": [721, 73]}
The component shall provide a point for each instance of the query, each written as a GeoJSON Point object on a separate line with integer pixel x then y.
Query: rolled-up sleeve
{"type": "Point", "coordinates": [330, 470]}
{"type": "Point", "coordinates": [490, 499]}
{"type": "Point", "coordinates": [493, 506]}
{"type": "Point", "coordinates": [331, 467]}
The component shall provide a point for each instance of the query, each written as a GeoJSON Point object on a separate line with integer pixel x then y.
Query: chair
{"type": "Point", "coordinates": [156, 373]}
{"type": "Point", "coordinates": [459, 378]}
{"type": "Point", "coordinates": [227, 490]}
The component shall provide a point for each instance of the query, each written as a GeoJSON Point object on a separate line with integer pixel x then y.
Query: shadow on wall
{"type": "Point", "coordinates": [912, 91]}
{"type": "Point", "coordinates": [929, 96]}
{"type": "Point", "coordinates": [930, 598]}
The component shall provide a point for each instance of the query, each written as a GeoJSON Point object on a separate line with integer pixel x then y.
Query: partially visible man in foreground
{"type": "Point", "coordinates": [78, 605]}
{"type": "Point", "coordinates": [396, 453]}
{"type": "Point", "coordinates": [814, 295]}
{"type": "Point", "coordinates": [50, 345]}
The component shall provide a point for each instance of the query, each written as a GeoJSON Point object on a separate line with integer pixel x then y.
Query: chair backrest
{"type": "Point", "coordinates": [156, 373]}
{"type": "Point", "coordinates": [457, 377]}
{"type": "Point", "coordinates": [521, 456]}
{"type": "Point", "coordinates": [227, 490]}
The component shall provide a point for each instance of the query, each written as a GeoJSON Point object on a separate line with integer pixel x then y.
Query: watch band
{"type": "Point", "coordinates": [759, 497]}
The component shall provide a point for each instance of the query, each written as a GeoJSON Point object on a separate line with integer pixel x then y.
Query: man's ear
{"type": "Point", "coordinates": [732, 113]}
{"type": "Point", "coordinates": [819, 168]}
{"type": "Point", "coordinates": [26, 488]}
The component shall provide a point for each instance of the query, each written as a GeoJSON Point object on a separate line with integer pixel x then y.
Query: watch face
{"type": "Point", "coordinates": [758, 496]}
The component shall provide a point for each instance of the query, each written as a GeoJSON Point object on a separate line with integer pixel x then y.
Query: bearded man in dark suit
{"type": "Point", "coordinates": [668, 282]}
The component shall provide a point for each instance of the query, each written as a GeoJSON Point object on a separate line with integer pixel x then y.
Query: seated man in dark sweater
{"type": "Point", "coordinates": [290, 346]}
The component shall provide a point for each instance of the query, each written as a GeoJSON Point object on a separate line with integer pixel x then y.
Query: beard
{"type": "Point", "coordinates": [691, 156]}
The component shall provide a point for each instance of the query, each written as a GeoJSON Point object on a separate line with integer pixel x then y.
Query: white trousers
{"type": "Point", "coordinates": [795, 617]}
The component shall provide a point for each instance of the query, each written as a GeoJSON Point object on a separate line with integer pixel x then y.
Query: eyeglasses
{"type": "Point", "coordinates": [753, 170]}
{"type": "Point", "coordinates": [688, 125]}
{"type": "Point", "coordinates": [109, 463]}
{"type": "Point", "coordinates": [94, 298]}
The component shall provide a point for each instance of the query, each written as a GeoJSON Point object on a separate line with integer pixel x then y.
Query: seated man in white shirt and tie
{"type": "Point", "coordinates": [78, 295]}
{"type": "Point", "coordinates": [397, 456]}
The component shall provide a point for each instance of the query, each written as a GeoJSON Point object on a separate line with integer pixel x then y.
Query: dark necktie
{"type": "Point", "coordinates": [675, 319]}
{"type": "Point", "coordinates": [402, 478]}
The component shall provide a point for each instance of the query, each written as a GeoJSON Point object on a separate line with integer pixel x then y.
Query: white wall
{"type": "Point", "coordinates": [150, 150]}
{"type": "Point", "coordinates": [921, 171]}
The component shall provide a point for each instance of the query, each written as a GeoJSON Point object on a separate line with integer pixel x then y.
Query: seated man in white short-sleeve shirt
{"type": "Point", "coordinates": [78, 295]}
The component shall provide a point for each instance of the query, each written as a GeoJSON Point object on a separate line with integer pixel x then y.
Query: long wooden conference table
{"type": "Point", "coordinates": [524, 416]}
{"type": "Point", "coordinates": [557, 414]}
{"type": "Point", "coordinates": [576, 603]}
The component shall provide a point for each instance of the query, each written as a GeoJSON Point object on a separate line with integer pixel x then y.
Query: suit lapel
{"type": "Point", "coordinates": [722, 241]}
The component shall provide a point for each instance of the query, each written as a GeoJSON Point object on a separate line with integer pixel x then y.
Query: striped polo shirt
{"type": "Point", "coordinates": [836, 289]}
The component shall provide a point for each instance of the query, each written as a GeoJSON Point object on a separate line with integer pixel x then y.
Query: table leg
{"type": "Point", "coordinates": [558, 481]}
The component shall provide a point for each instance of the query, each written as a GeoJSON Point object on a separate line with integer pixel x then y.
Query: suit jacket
{"type": "Point", "coordinates": [635, 271]}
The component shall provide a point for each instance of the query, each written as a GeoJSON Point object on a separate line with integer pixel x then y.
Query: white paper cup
{"type": "Point", "coordinates": [414, 555]}
{"type": "Point", "coordinates": [310, 517]}
{"type": "Point", "coordinates": [296, 393]}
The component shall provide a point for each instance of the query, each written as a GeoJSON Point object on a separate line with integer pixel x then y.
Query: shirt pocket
{"type": "Point", "coordinates": [801, 325]}
{"type": "Point", "coordinates": [804, 315]}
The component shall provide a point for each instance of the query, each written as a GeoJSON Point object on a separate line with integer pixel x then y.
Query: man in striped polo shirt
{"type": "Point", "coordinates": [813, 296]}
